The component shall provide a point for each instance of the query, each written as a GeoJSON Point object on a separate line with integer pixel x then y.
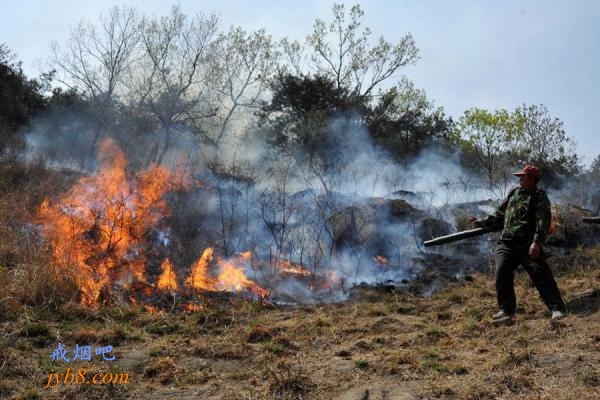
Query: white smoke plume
{"type": "Point", "coordinates": [335, 223]}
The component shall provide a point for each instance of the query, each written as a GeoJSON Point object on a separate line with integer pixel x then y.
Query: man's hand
{"type": "Point", "coordinates": [475, 221]}
{"type": "Point", "coordinates": [534, 250]}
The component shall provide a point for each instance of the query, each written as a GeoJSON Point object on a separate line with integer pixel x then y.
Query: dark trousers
{"type": "Point", "coordinates": [508, 258]}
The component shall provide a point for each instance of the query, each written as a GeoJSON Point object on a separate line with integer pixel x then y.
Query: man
{"type": "Point", "coordinates": [524, 217]}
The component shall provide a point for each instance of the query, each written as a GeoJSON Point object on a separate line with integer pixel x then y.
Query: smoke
{"type": "Point", "coordinates": [336, 220]}
{"type": "Point", "coordinates": [63, 139]}
{"type": "Point", "coordinates": [344, 223]}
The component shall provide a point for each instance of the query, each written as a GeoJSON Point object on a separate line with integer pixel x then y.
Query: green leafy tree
{"type": "Point", "coordinates": [20, 100]}
{"type": "Point", "coordinates": [403, 121]}
{"type": "Point", "coordinates": [300, 109]}
{"type": "Point", "coordinates": [501, 141]}
{"type": "Point", "coordinates": [487, 138]}
{"type": "Point", "coordinates": [336, 73]}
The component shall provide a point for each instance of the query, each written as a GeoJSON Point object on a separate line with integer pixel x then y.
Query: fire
{"type": "Point", "coordinates": [233, 278]}
{"type": "Point", "coordinates": [96, 230]}
{"type": "Point", "coordinates": [151, 309]}
{"type": "Point", "coordinates": [167, 280]}
{"type": "Point", "coordinates": [292, 269]}
{"type": "Point", "coordinates": [192, 307]}
{"type": "Point", "coordinates": [381, 260]}
{"type": "Point", "coordinates": [199, 277]}
{"type": "Point", "coordinates": [332, 280]}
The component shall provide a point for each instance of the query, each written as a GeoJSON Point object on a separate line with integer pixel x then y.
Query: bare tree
{"type": "Point", "coordinates": [234, 183]}
{"type": "Point", "coordinates": [95, 59]}
{"type": "Point", "coordinates": [278, 211]}
{"type": "Point", "coordinates": [543, 140]}
{"type": "Point", "coordinates": [244, 64]}
{"type": "Point", "coordinates": [341, 51]}
{"type": "Point", "coordinates": [173, 77]}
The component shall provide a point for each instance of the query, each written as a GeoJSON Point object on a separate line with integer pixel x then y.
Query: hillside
{"type": "Point", "coordinates": [190, 210]}
{"type": "Point", "coordinates": [382, 344]}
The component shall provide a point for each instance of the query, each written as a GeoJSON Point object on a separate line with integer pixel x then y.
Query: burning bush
{"type": "Point", "coordinates": [97, 229]}
{"type": "Point", "coordinates": [100, 230]}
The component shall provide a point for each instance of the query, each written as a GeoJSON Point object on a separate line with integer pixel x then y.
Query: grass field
{"type": "Point", "coordinates": [394, 345]}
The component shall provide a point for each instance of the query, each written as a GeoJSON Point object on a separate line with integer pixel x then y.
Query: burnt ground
{"type": "Point", "coordinates": [385, 343]}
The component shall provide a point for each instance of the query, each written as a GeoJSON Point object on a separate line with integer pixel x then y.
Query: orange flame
{"type": "Point", "coordinates": [332, 280]}
{"type": "Point", "coordinates": [292, 269]}
{"type": "Point", "coordinates": [381, 260]}
{"type": "Point", "coordinates": [96, 229]}
{"type": "Point", "coordinates": [98, 232]}
{"type": "Point", "coordinates": [230, 278]}
{"type": "Point", "coordinates": [199, 277]}
{"type": "Point", "coordinates": [192, 307]}
{"type": "Point", "coordinates": [167, 280]}
{"type": "Point", "coordinates": [233, 278]}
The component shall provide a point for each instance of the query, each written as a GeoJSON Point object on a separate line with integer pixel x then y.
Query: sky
{"type": "Point", "coordinates": [485, 54]}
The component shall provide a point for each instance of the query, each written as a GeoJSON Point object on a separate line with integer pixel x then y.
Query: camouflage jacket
{"type": "Point", "coordinates": [524, 216]}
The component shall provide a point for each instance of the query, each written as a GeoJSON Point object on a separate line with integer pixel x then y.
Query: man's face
{"type": "Point", "coordinates": [527, 182]}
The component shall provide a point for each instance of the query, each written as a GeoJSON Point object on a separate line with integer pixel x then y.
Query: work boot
{"type": "Point", "coordinates": [502, 316]}
{"type": "Point", "coordinates": [557, 315]}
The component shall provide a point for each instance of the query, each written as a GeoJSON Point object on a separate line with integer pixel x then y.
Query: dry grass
{"type": "Point", "coordinates": [393, 345]}
{"type": "Point", "coordinates": [26, 274]}
{"type": "Point", "coordinates": [440, 347]}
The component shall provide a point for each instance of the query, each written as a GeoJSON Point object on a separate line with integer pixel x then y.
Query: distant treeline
{"type": "Point", "coordinates": [164, 85]}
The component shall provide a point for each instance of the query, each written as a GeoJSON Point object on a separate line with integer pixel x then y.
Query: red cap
{"type": "Point", "coordinates": [530, 170]}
